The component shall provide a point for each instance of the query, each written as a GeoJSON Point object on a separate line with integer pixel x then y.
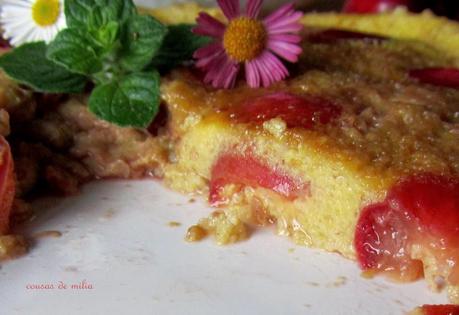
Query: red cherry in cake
{"type": "Point", "coordinates": [295, 110]}
{"type": "Point", "coordinates": [447, 309]}
{"type": "Point", "coordinates": [420, 213]}
{"type": "Point", "coordinates": [333, 35]}
{"type": "Point", "coordinates": [7, 185]}
{"type": "Point", "coordinates": [447, 77]}
{"type": "Point", "coordinates": [373, 6]}
{"type": "Point", "coordinates": [440, 7]}
{"type": "Point", "coordinates": [247, 170]}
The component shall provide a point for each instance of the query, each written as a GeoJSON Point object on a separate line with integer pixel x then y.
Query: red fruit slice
{"type": "Point", "coordinates": [448, 77]}
{"type": "Point", "coordinates": [440, 309]}
{"type": "Point", "coordinates": [296, 111]}
{"type": "Point", "coordinates": [7, 185]}
{"type": "Point", "coordinates": [373, 6]}
{"type": "Point", "coordinates": [421, 211]}
{"type": "Point", "coordinates": [440, 7]}
{"type": "Point", "coordinates": [380, 236]}
{"type": "Point", "coordinates": [433, 200]}
{"type": "Point", "coordinates": [333, 35]}
{"type": "Point", "coordinates": [246, 170]}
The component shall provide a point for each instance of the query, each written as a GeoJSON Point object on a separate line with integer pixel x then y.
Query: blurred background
{"type": "Point", "coordinates": [449, 8]}
{"type": "Point", "coordinates": [306, 5]}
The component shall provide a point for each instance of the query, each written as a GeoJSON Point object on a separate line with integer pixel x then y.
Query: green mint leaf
{"type": "Point", "coordinates": [27, 64]}
{"type": "Point", "coordinates": [75, 50]}
{"type": "Point", "coordinates": [131, 101]}
{"type": "Point", "coordinates": [178, 46]}
{"type": "Point", "coordinates": [93, 14]}
{"type": "Point", "coordinates": [108, 34]}
{"type": "Point", "coordinates": [141, 41]}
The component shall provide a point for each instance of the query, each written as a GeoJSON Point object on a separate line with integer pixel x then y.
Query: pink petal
{"type": "Point", "coordinates": [214, 68]}
{"type": "Point", "coordinates": [230, 8]}
{"type": "Point", "coordinates": [253, 8]}
{"type": "Point", "coordinates": [265, 74]}
{"type": "Point", "coordinates": [278, 70]}
{"type": "Point", "coordinates": [288, 38]}
{"type": "Point", "coordinates": [292, 17]}
{"type": "Point", "coordinates": [222, 72]}
{"type": "Point", "coordinates": [208, 62]}
{"type": "Point", "coordinates": [227, 75]}
{"type": "Point", "coordinates": [279, 13]}
{"type": "Point", "coordinates": [209, 26]}
{"type": "Point", "coordinates": [290, 28]}
{"type": "Point", "coordinates": [288, 20]}
{"type": "Point", "coordinates": [208, 50]}
{"type": "Point", "coordinates": [261, 73]}
{"type": "Point", "coordinates": [269, 68]}
{"type": "Point", "coordinates": [287, 51]}
{"type": "Point", "coordinates": [252, 76]}
{"type": "Point", "coordinates": [232, 76]}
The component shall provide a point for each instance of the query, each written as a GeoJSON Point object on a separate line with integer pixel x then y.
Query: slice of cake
{"type": "Point", "coordinates": [353, 154]}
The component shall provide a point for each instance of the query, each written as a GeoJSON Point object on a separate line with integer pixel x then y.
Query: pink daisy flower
{"type": "Point", "coordinates": [249, 42]}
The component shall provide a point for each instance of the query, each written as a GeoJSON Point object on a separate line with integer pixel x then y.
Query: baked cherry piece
{"type": "Point", "coordinates": [420, 216]}
{"type": "Point", "coordinates": [447, 77]}
{"type": "Point", "coordinates": [373, 6]}
{"type": "Point", "coordinates": [247, 170]}
{"type": "Point", "coordinates": [295, 110]}
{"type": "Point", "coordinates": [7, 185]}
{"type": "Point", "coordinates": [333, 35]}
{"type": "Point", "coordinates": [446, 8]}
{"type": "Point", "coordinates": [447, 309]}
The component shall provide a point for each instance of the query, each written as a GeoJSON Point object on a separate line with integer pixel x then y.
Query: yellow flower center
{"type": "Point", "coordinates": [244, 39]}
{"type": "Point", "coordinates": [45, 12]}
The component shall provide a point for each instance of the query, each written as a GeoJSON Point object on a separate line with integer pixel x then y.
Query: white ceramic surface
{"type": "Point", "coordinates": [117, 238]}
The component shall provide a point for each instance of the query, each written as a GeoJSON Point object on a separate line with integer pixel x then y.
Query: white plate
{"type": "Point", "coordinates": [117, 237]}
{"type": "Point", "coordinates": [117, 246]}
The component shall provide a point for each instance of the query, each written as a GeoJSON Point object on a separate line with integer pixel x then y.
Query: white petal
{"type": "Point", "coordinates": [17, 4]}
{"type": "Point", "coordinates": [20, 27]}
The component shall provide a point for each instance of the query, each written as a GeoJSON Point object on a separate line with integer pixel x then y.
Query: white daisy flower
{"type": "Point", "coordinates": [31, 20]}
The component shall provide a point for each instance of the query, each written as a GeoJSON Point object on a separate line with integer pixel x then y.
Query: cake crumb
{"type": "Point", "coordinates": [174, 224]}
{"type": "Point", "coordinates": [191, 120]}
{"type": "Point", "coordinates": [339, 282]}
{"type": "Point", "coordinates": [312, 283]}
{"type": "Point", "coordinates": [275, 126]}
{"type": "Point", "coordinates": [47, 234]}
{"type": "Point", "coordinates": [291, 250]}
{"type": "Point", "coordinates": [195, 233]}
{"type": "Point", "coordinates": [12, 246]}
{"type": "Point", "coordinates": [368, 274]}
